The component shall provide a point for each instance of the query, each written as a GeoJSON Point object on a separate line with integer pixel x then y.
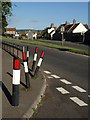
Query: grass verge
{"type": "Point", "coordinates": [62, 48]}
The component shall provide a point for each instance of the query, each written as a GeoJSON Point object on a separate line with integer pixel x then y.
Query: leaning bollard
{"type": "Point", "coordinates": [16, 82]}
{"type": "Point", "coordinates": [26, 69]}
{"type": "Point", "coordinates": [23, 48]}
{"type": "Point", "coordinates": [35, 58]}
{"type": "Point", "coordinates": [39, 63]}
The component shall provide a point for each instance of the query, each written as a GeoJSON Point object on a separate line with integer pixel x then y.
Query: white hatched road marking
{"type": "Point", "coordinates": [79, 89]}
{"type": "Point", "coordinates": [62, 90]}
{"type": "Point", "coordinates": [55, 76]}
{"type": "Point", "coordinates": [65, 81]}
{"type": "Point", "coordinates": [78, 101]}
{"type": "Point", "coordinates": [88, 95]}
{"type": "Point", "coordinates": [47, 72]}
{"type": "Point", "coordinates": [49, 77]}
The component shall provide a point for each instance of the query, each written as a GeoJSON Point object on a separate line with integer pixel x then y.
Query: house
{"type": "Point", "coordinates": [48, 32]}
{"type": "Point", "coordinates": [10, 32]}
{"type": "Point", "coordinates": [87, 37]}
{"type": "Point", "coordinates": [75, 27]}
{"type": "Point", "coordinates": [73, 32]}
{"type": "Point", "coordinates": [31, 35]}
{"type": "Point", "coordinates": [17, 35]}
{"type": "Point", "coordinates": [23, 35]}
{"type": "Point", "coordinates": [78, 28]}
{"type": "Point", "coordinates": [28, 33]}
{"type": "Point", "coordinates": [35, 35]}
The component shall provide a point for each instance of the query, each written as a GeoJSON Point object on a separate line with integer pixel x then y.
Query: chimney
{"type": "Point", "coordinates": [66, 23]}
{"type": "Point", "coordinates": [74, 21]}
{"type": "Point", "coordinates": [52, 24]}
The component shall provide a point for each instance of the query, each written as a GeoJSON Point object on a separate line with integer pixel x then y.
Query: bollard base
{"type": "Point", "coordinates": [27, 80]}
{"type": "Point", "coordinates": [33, 66]}
{"type": "Point", "coordinates": [36, 71]}
{"type": "Point", "coordinates": [15, 95]}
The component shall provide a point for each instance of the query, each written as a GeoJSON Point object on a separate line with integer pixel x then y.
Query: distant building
{"type": "Point", "coordinates": [49, 31]}
{"type": "Point", "coordinates": [73, 32]}
{"type": "Point", "coordinates": [34, 35]}
{"type": "Point", "coordinates": [10, 31]}
{"type": "Point", "coordinates": [28, 33]}
{"type": "Point", "coordinates": [17, 35]}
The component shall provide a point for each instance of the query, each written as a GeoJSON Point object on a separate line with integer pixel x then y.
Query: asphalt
{"type": "Point", "coordinates": [69, 66]}
{"type": "Point", "coordinates": [28, 98]}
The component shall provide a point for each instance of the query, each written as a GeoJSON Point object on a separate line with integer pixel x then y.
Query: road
{"type": "Point", "coordinates": [67, 79]}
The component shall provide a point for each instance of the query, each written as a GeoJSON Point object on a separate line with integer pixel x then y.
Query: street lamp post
{"type": "Point", "coordinates": [83, 36]}
{"type": "Point", "coordinates": [62, 32]}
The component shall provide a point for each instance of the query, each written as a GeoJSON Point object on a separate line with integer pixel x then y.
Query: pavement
{"type": "Point", "coordinates": [28, 98]}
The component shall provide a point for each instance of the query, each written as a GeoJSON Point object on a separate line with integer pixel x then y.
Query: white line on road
{"type": "Point", "coordinates": [79, 89]}
{"type": "Point", "coordinates": [78, 101]}
{"type": "Point", "coordinates": [88, 95]}
{"type": "Point", "coordinates": [49, 77]}
{"type": "Point", "coordinates": [47, 72]}
{"type": "Point", "coordinates": [65, 81]}
{"type": "Point", "coordinates": [62, 90]}
{"type": "Point", "coordinates": [55, 76]}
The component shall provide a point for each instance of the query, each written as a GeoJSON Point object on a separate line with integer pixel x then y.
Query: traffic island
{"type": "Point", "coordinates": [28, 98]}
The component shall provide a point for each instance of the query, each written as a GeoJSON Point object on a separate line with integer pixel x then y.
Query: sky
{"type": "Point", "coordinates": [39, 15]}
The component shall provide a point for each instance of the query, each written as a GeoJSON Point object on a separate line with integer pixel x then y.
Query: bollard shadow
{"type": "Point", "coordinates": [6, 92]}
{"type": "Point", "coordinates": [23, 84]}
{"type": "Point", "coordinates": [20, 81]}
{"type": "Point", "coordinates": [10, 74]}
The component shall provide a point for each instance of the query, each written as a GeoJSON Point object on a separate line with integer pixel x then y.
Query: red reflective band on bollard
{"type": "Point", "coordinates": [42, 54]}
{"type": "Point", "coordinates": [36, 50]}
{"type": "Point", "coordinates": [23, 55]}
{"type": "Point", "coordinates": [16, 64]}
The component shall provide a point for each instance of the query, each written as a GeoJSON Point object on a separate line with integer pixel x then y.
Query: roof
{"type": "Point", "coordinates": [70, 27]}
{"type": "Point", "coordinates": [73, 26]}
{"type": "Point", "coordinates": [22, 33]}
{"type": "Point", "coordinates": [10, 29]}
{"type": "Point", "coordinates": [88, 31]}
{"type": "Point", "coordinates": [86, 26]}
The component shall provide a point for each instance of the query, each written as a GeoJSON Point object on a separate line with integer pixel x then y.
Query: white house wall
{"type": "Point", "coordinates": [35, 35]}
{"type": "Point", "coordinates": [52, 34]}
{"type": "Point", "coordinates": [80, 28]}
{"type": "Point", "coordinates": [10, 32]}
{"type": "Point", "coordinates": [50, 30]}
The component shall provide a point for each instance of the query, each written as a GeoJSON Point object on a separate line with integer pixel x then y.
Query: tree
{"type": "Point", "coordinates": [6, 12]}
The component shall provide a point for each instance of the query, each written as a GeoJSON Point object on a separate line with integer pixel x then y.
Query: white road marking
{"type": "Point", "coordinates": [55, 76]}
{"type": "Point", "coordinates": [88, 95]}
{"type": "Point", "coordinates": [79, 89]}
{"type": "Point", "coordinates": [49, 77]}
{"type": "Point", "coordinates": [65, 81]}
{"type": "Point", "coordinates": [62, 90]}
{"type": "Point", "coordinates": [47, 72]}
{"type": "Point", "coordinates": [78, 101]}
